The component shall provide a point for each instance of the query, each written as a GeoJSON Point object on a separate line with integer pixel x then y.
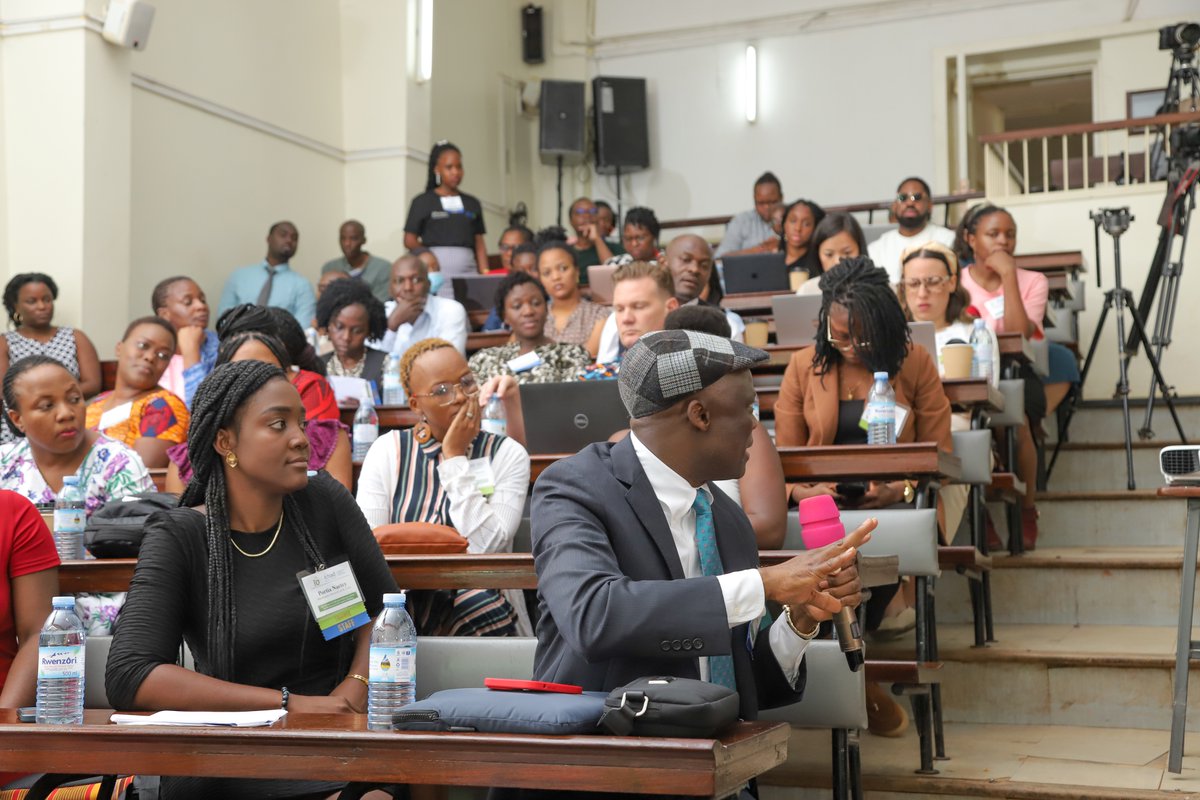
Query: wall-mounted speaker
{"type": "Point", "coordinates": [532, 36]}
{"type": "Point", "coordinates": [622, 136]}
{"type": "Point", "coordinates": [561, 124]}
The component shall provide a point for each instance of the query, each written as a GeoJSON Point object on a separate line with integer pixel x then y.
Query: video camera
{"type": "Point", "coordinates": [1183, 37]}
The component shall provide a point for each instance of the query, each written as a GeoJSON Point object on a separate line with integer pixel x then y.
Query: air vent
{"type": "Point", "coordinates": [1180, 462]}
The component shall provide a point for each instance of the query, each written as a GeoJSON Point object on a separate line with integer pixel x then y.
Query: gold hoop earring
{"type": "Point", "coordinates": [422, 433]}
{"type": "Point", "coordinates": [231, 459]}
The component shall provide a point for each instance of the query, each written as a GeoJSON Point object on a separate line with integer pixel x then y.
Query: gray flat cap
{"type": "Point", "coordinates": [663, 367]}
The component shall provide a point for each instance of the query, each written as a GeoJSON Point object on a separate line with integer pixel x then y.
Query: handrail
{"type": "Point", "coordinates": [1090, 127]}
{"type": "Point", "coordinates": [870, 206]}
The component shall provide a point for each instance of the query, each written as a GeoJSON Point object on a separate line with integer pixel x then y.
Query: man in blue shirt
{"type": "Point", "coordinates": [272, 282]}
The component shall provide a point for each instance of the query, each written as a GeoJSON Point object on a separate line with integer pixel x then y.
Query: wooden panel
{"type": "Point", "coordinates": [1090, 127]}
{"type": "Point", "coordinates": [1179, 491]}
{"type": "Point", "coordinates": [480, 340]}
{"type": "Point", "coordinates": [837, 463]}
{"type": "Point", "coordinates": [390, 417]}
{"type": "Point", "coordinates": [969, 393]}
{"type": "Point", "coordinates": [1070, 261]}
{"type": "Point", "coordinates": [108, 376]}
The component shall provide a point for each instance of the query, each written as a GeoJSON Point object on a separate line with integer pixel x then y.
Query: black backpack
{"type": "Point", "coordinates": [115, 529]}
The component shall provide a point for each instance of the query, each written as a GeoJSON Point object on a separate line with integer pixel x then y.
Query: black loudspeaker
{"type": "Point", "coordinates": [532, 49]}
{"type": "Point", "coordinates": [561, 124]}
{"type": "Point", "coordinates": [622, 138]}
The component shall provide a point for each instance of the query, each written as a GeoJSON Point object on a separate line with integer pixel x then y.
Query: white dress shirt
{"type": "Point", "coordinates": [610, 337]}
{"type": "Point", "coordinates": [745, 598]}
{"type": "Point", "coordinates": [887, 249]}
{"type": "Point", "coordinates": [442, 318]}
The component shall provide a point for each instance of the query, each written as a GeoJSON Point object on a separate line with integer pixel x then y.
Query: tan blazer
{"type": "Point", "coordinates": [806, 413]}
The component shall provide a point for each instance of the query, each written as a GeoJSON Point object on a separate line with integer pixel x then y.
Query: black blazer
{"type": "Point", "coordinates": [372, 370]}
{"type": "Point", "coordinates": [613, 600]}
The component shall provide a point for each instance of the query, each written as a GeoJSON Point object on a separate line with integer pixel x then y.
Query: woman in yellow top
{"type": "Point", "coordinates": [139, 412]}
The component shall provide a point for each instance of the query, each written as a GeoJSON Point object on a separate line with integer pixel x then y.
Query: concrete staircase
{"type": "Point", "coordinates": [1074, 698]}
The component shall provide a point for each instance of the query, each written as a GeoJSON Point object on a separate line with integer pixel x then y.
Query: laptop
{"type": "Point", "coordinates": [600, 279]}
{"type": "Point", "coordinates": [477, 292]}
{"type": "Point", "coordinates": [755, 272]}
{"type": "Point", "coordinates": [566, 417]}
{"type": "Point", "coordinates": [924, 334]}
{"type": "Point", "coordinates": [796, 317]}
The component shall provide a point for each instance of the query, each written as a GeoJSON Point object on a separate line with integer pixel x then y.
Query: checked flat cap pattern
{"type": "Point", "coordinates": [663, 367]}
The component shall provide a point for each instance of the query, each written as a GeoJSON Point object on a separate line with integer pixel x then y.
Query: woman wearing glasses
{"type": "Point", "coordinates": [446, 471]}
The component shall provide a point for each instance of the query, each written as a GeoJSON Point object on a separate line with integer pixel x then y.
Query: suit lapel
{"type": "Point", "coordinates": [825, 400]}
{"type": "Point", "coordinates": [644, 502]}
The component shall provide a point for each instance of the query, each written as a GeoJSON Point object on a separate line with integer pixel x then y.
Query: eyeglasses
{"type": "Point", "coordinates": [915, 197]}
{"type": "Point", "coordinates": [935, 283]}
{"type": "Point", "coordinates": [508, 248]}
{"type": "Point", "coordinates": [845, 345]}
{"type": "Point", "coordinates": [444, 394]}
{"type": "Point", "coordinates": [161, 355]}
{"type": "Point", "coordinates": [587, 211]}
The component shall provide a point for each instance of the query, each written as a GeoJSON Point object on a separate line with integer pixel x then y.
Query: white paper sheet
{"type": "Point", "coordinates": [217, 719]}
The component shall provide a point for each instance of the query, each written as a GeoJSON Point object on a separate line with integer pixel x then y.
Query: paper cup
{"type": "Point", "coordinates": [756, 333]}
{"type": "Point", "coordinates": [956, 360]}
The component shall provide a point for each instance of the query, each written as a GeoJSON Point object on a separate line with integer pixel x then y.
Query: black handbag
{"type": "Point", "coordinates": [490, 711]}
{"type": "Point", "coordinates": [115, 529]}
{"type": "Point", "coordinates": [669, 706]}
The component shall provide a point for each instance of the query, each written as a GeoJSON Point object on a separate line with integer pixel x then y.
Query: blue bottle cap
{"type": "Point", "coordinates": [389, 599]}
{"type": "Point", "coordinates": [63, 601]}
{"type": "Point", "coordinates": [881, 376]}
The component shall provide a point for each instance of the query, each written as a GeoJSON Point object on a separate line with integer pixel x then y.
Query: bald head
{"type": "Point", "coordinates": [410, 278]}
{"type": "Point", "coordinates": [691, 262]}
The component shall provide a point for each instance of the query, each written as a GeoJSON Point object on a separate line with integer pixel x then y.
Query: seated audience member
{"type": "Point", "coordinates": [524, 259]}
{"type": "Point", "coordinates": [614, 603]}
{"type": "Point", "coordinates": [46, 411]}
{"type": "Point", "coordinates": [838, 236]}
{"type": "Point", "coordinates": [572, 318]}
{"type": "Point", "coordinates": [912, 208]}
{"type": "Point", "coordinates": [800, 219]}
{"type": "Point", "coordinates": [351, 315]}
{"type": "Point", "coordinates": [200, 578]}
{"type": "Point", "coordinates": [424, 474]}
{"type": "Point", "coordinates": [513, 237]}
{"type": "Point", "coordinates": [862, 331]}
{"type": "Point", "coordinates": [590, 245]}
{"type": "Point", "coordinates": [355, 262]}
{"type": "Point", "coordinates": [328, 442]}
{"type": "Point", "coordinates": [606, 220]}
{"type": "Point", "coordinates": [415, 312]}
{"type": "Point", "coordinates": [138, 412]}
{"type": "Point", "coordinates": [447, 220]}
{"type": "Point", "coordinates": [306, 371]}
{"type": "Point", "coordinates": [182, 303]}
{"type": "Point", "coordinates": [29, 300]}
{"type": "Point", "coordinates": [643, 295]}
{"type": "Point", "coordinates": [639, 236]}
{"type": "Point", "coordinates": [758, 491]}
{"type": "Point", "coordinates": [1012, 299]}
{"type": "Point", "coordinates": [690, 260]}
{"type": "Point", "coordinates": [316, 334]}
{"type": "Point", "coordinates": [272, 282]}
{"type": "Point", "coordinates": [751, 228]}
{"type": "Point", "coordinates": [437, 281]}
{"type": "Point", "coordinates": [532, 356]}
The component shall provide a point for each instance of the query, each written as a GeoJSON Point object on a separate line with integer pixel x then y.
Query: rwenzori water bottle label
{"type": "Point", "coordinates": [65, 661]}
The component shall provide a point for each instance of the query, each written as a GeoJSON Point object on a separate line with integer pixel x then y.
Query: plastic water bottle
{"type": "Point", "coordinates": [393, 390]}
{"type": "Point", "coordinates": [881, 412]}
{"type": "Point", "coordinates": [981, 344]}
{"type": "Point", "coordinates": [393, 673]}
{"type": "Point", "coordinates": [494, 420]}
{"type": "Point", "coordinates": [366, 426]}
{"type": "Point", "coordinates": [61, 648]}
{"type": "Point", "coordinates": [70, 518]}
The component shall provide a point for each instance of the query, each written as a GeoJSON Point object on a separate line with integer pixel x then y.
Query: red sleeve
{"type": "Point", "coordinates": [317, 396]}
{"type": "Point", "coordinates": [33, 545]}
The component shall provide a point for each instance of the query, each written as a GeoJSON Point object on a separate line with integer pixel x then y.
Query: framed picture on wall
{"type": "Point", "coordinates": [1143, 103]}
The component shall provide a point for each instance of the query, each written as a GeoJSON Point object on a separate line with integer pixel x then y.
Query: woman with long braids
{"type": "Point", "coordinates": [447, 221]}
{"type": "Point", "coordinates": [862, 330]}
{"type": "Point", "coordinates": [219, 573]}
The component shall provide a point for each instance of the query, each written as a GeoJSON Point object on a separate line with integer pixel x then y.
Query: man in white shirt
{"type": "Point", "coordinates": [645, 568]}
{"type": "Point", "coordinates": [752, 228]}
{"type": "Point", "coordinates": [912, 208]}
{"type": "Point", "coordinates": [643, 295]}
{"type": "Point", "coordinates": [415, 314]}
{"type": "Point", "coordinates": [690, 260]}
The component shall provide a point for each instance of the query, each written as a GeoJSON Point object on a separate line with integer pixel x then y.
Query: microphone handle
{"type": "Point", "coordinates": [845, 622]}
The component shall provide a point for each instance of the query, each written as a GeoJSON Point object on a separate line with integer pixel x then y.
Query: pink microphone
{"type": "Point", "coordinates": [821, 525]}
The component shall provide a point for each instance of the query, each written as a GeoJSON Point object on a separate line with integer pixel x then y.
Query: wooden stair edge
{"type": "Point", "coordinates": [905, 672]}
{"type": "Point", "coordinates": [1035, 560]}
{"type": "Point", "coordinates": [963, 558]}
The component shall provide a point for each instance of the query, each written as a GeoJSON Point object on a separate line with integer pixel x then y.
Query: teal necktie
{"type": "Point", "coordinates": [720, 668]}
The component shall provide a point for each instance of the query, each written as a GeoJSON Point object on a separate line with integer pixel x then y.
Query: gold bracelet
{"type": "Point", "coordinates": [358, 677]}
{"type": "Point", "coordinates": [787, 615]}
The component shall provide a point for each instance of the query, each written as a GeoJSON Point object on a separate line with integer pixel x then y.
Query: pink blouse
{"type": "Point", "coordinates": [1034, 290]}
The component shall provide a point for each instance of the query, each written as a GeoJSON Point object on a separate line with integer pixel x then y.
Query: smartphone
{"type": "Point", "coordinates": [852, 492]}
{"type": "Point", "coordinates": [27, 714]}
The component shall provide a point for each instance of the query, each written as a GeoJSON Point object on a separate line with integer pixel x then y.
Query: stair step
{"type": "Point", "coordinates": [1082, 585]}
{"type": "Point", "coordinates": [1106, 424]}
{"type": "Point", "coordinates": [1102, 466]}
{"type": "Point", "coordinates": [1070, 520]}
{"type": "Point", "coordinates": [1031, 762]}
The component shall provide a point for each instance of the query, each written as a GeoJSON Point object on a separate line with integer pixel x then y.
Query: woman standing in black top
{"type": "Point", "coordinates": [447, 221]}
{"type": "Point", "coordinates": [219, 573]}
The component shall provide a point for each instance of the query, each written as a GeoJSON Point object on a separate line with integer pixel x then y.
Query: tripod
{"type": "Point", "coordinates": [1115, 222]}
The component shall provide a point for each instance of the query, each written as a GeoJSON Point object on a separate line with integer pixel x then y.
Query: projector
{"type": "Point", "coordinates": [1180, 464]}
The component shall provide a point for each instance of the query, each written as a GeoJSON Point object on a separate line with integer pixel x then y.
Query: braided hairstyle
{"type": "Point", "coordinates": [245, 317]}
{"type": "Point", "coordinates": [231, 344]}
{"type": "Point", "coordinates": [431, 178]}
{"type": "Point", "coordinates": [300, 351]}
{"type": "Point", "coordinates": [13, 289]}
{"type": "Point", "coordinates": [875, 316]}
{"type": "Point", "coordinates": [217, 405]}
{"type": "Point", "coordinates": [341, 294]}
{"type": "Point", "coordinates": [15, 371]}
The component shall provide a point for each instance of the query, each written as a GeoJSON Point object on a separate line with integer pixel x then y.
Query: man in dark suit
{"type": "Point", "coordinates": [645, 568]}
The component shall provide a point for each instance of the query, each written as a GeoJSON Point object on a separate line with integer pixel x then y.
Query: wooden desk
{"type": "Point", "coordinates": [891, 462]}
{"type": "Point", "coordinates": [390, 417]}
{"type": "Point", "coordinates": [1014, 347]}
{"type": "Point", "coordinates": [751, 302]}
{"type": "Point", "coordinates": [968, 394]}
{"type": "Point", "coordinates": [340, 748]}
{"type": "Point", "coordinates": [1067, 261]}
{"type": "Point", "coordinates": [1184, 646]}
{"type": "Point", "coordinates": [481, 339]}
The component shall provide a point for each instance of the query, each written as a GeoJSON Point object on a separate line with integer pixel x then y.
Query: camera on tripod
{"type": "Point", "coordinates": [1182, 36]}
{"type": "Point", "coordinates": [1115, 220]}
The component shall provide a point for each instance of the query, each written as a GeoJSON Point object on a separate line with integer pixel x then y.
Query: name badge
{"type": "Point", "coordinates": [453, 204]}
{"type": "Point", "coordinates": [439, 215]}
{"type": "Point", "coordinates": [115, 416]}
{"type": "Point", "coordinates": [901, 418]}
{"type": "Point", "coordinates": [526, 362]}
{"type": "Point", "coordinates": [480, 470]}
{"type": "Point", "coordinates": [995, 307]}
{"type": "Point", "coordinates": [334, 599]}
